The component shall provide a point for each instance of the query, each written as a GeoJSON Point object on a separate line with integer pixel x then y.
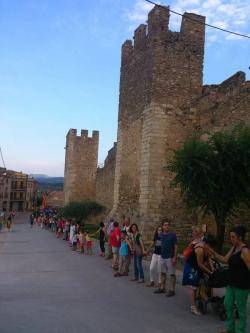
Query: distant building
{"type": "Point", "coordinates": [17, 191]}
{"type": "Point", "coordinates": [55, 199]}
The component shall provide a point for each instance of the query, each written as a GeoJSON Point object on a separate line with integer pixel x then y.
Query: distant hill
{"type": "Point", "coordinates": [38, 176]}
{"type": "Point", "coordinates": [46, 183]}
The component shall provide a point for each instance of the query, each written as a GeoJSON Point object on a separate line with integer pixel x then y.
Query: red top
{"type": "Point", "coordinates": [115, 237]}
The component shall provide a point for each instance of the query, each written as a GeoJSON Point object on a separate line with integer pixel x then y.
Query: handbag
{"type": "Point", "coordinates": [187, 252]}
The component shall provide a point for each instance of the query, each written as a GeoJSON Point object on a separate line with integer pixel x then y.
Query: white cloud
{"type": "Point", "coordinates": [212, 38]}
{"type": "Point", "coordinates": [226, 14]}
{"type": "Point", "coordinates": [211, 4]}
{"type": "Point", "coordinates": [221, 24]}
{"type": "Point", "coordinates": [140, 11]}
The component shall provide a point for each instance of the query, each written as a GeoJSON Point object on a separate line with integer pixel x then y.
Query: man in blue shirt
{"type": "Point", "coordinates": [169, 247]}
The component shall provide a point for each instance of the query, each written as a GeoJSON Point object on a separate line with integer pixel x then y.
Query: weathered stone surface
{"type": "Point", "coordinates": [162, 102]}
{"type": "Point", "coordinates": [80, 166]}
{"type": "Point", "coordinates": [105, 180]}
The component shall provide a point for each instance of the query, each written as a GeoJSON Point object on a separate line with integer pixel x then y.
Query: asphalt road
{"type": "Point", "coordinates": [47, 288]}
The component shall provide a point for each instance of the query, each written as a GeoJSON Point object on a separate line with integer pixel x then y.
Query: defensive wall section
{"type": "Point", "coordinates": [162, 101]}
{"type": "Point", "coordinates": [80, 166]}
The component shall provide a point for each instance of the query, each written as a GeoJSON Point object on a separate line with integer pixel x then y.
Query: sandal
{"type": "Point", "coordinates": [195, 311]}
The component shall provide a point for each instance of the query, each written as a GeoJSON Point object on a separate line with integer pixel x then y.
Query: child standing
{"type": "Point", "coordinates": [89, 243]}
{"type": "Point", "coordinates": [123, 255]}
{"type": "Point", "coordinates": [74, 241]}
{"type": "Point", "coordinates": [81, 238]}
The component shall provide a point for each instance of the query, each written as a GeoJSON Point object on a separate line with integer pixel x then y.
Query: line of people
{"type": "Point", "coordinates": [124, 244]}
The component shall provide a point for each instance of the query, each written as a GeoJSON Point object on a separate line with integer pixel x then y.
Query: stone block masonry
{"type": "Point", "coordinates": [160, 68]}
{"type": "Point", "coordinates": [80, 166]}
{"type": "Point", "coordinates": [162, 102]}
{"type": "Point", "coordinates": [105, 180]}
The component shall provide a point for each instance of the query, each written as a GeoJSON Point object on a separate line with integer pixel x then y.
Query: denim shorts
{"type": "Point", "coordinates": [115, 250]}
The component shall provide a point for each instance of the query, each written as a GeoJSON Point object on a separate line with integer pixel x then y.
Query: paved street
{"type": "Point", "coordinates": [46, 288]}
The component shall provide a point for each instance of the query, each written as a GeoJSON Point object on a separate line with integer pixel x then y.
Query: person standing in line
{"type": "Point", "coordinates": [71, 233]}
{"type": "Point", "coordinates": [197, 264]}
{"type": "Point", "coordinates": [115, 241]}
{"type": "Point", "coordinates": [238, 286]}
{"type": "Point", "coordinates": [138, 252]}
{"type": "Point", "coordinates": [9, 222]}
{"type": "Point", "coordinates": [82, 240]}
{"type": "Point", "coordinates": [126, 227]}
{"type": "Point", "coordinates": [32, 220]}
{"type": "Point", "coordinates": [110, 228]}
{"type": "Point", "coordinates": [169, 247]}
{"type": "Point", "coordinates": [89, 243]}
{"type": "Point", "coordinates": [66, 230]}
{"type": "Point", "coordinates": [74, 241]}
{"type": "Point", "coordinates": [155, 264]}
{"type": "Point", "coordinates": [123, 255]}
{"type": "Point", "coordinates": [102, 235]}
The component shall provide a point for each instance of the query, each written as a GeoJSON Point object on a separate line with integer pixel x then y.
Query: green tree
{"type": "Point", "coordinates": [214, 175]}
{"type": "Point", "coordinates": [82, 210]}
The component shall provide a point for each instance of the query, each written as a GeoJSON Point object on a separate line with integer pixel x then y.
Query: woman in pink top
{"type": "Point", "coordinates": [115, 242]}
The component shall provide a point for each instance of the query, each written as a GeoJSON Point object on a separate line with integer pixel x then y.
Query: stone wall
{"type": "Point", "coordinates": [162, 102]}
{"type": "Point", "coordinates": [105, 180]}
{"type": "Point", "coordinates": [80, 166]}
{"type": "Point", "coordinates": [162, 68]}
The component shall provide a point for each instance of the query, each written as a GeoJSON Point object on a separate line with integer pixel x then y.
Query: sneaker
{"type": "Point", "coordinates": [159, 291]}
{"type": "Point", "coordinates": [117, 274]}
{"type": "Point", "coordinates": [170, 293]}
{"type": "Point", "coordinates": [196, 312]}
{"type": "Point", "coordinates": [150, 284]}
{"type": "Point", "coordinates": [140, 281]}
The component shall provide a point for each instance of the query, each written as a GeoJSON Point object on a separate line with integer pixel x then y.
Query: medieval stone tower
{"type": "Point", "coordinates": [80, 166]}
{"type": "Point", "coordinates": [162, 102]}
{"type": "Point", "coordinates": [161, 74]}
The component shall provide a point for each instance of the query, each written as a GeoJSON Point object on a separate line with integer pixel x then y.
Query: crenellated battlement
{"type": "Point", "coordinates": [157, 29]}
{"type": "Point", "coordinates": [161, 64]}
{"type": "Point", "coordinates": [80, 165]}
{"type": "Point", "coordinates": [72, 134]}
{"type": "Point", "coordinates": [140, 37]}
{"type": "Point", "coordinates": [158, 22]}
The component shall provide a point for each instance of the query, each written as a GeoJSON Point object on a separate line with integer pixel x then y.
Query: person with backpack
{"type": "Point", "coordinates": [198, 263]}
{"type": "Point", "coordinates": [191, 273]}
{"type": "Point", "coordinates": [138, 252]}
{"type": "Point", "coordinates": [238, 284]}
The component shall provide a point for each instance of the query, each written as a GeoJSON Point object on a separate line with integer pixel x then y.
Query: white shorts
{"type": "Point", "coordinates": [167, 267]}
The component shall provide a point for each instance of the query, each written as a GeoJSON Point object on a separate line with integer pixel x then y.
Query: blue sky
{"type": "Point", "coordinates": [59, 69]}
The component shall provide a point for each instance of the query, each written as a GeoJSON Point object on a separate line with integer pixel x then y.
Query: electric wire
{"type": "Point", "coordinates": [193, 19]}
{"type": "Point", "coordinates": [1, 154]}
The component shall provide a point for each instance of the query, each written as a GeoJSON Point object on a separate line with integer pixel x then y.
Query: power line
{"type": "Point", "coordinates": [2, 157]}
{"type": "Point", "coordinates": [193, 19]}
